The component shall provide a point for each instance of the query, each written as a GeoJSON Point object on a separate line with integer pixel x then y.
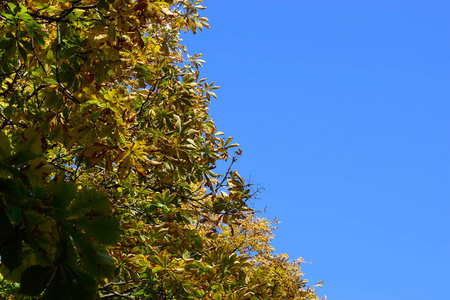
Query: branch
{"type": "Point", "coordinates": [115, 294]}
{"type": "Point", "coordinates": [62, 15]}
{"type": "Point", "coordinates": [86, 7]}
{"type": "Point", "coordinates": [11, 85]}
{"type": "Point", "coordinates": [37, 90]}
{"type": "Point", "coordinates": [113, 284]}
{"type": "Point", "coordinates": [225, 177]}
{"type": "Point", "coordinates": [37, 57]}
{"type": "Point", "coordinates": [46, 18]}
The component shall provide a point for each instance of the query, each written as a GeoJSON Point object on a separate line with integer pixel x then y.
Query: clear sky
{"type": "Point", "coordinates": [342, 111]}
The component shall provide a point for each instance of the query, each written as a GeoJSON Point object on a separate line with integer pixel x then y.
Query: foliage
{"type": "Point", "coordinates": [107, 154]}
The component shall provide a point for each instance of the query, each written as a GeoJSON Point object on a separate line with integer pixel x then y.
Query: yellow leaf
{"type": "Point", "coordinates": [139, 168]}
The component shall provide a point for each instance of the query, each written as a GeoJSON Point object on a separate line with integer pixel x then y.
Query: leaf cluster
{"type": "Point", "coordinates": [107, 158]}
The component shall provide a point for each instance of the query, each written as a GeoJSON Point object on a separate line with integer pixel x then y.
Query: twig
{"type": "Point", "coordinates": [37, 90]}
{"type": "Point", "coordinates": [113, 284]}
{"type": "Point", "coordinates": [115, 294]}
{"type": "Point", "coordinates": [37, 57]}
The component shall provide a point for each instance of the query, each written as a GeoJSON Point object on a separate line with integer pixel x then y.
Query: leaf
{"type": "Point", "coordinates": [84, 287]}
{"type": "Point", "coordinates": [157, 260]}
{"type": "Point", "coordinates": [103, 5]}
{"type": "Point", "coordinates": [166, 11]}
{"type": "Point", "coordinates": [104, 230]}
{"type": "Point", "coordinates": [67, 74]}
{"type": "Point", "coordinates": [64, 193]}
{"type": "Point", "coordinates": [233, 145]}
{"type": "Point", "coordinates": [95, 153]}
{"type": "Point", "coordinates": [22, 52]}
{"type": "Point", "coordinates": [58, 288]}
{"type": "Point", "coordinates": [198, 243]}
{"type": "Point", "coordinates": [11, 249]}
{"type": "Point", "coordinates": [94, 258]}
{"type": "Point", "coordinates": [213, 94]}
{"type": "Point", "coordinates": [30, 141]}
{"type": "Point", "coordinates": [43, 236]}
{"type": "Point", "coordinates": [39, 39]}
{"type": "Point", "coordinates": [90, 201]}
{"type": "Point", "coordinates": [5, 148]}
{"type": "Point", "coordinates": [95, 115]}
{"type": "Point", "coordinates": [35, 279]}
{"type": "Point", "coordinates": [13, 189]}
{"type": "Point", "coordinates": [6, 228]}
{"type": "Point", "coordinates": [70, 284]}
{"type": "Point", "coordinates": [124, 168]}
{"type": "Point", "coordinates": [134, 276]}
{"type": "Point", "coordinates": [139, 168]}
{"type": "Point", "coordinates": [154, 163]}
{"type": "Point", "coordinates": [38, 170]}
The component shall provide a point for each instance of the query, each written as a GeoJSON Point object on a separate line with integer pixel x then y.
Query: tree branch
{"type": "Point", "coordinates": [115, 294]}
{"type": "Point", "coordinates": [58, 49]}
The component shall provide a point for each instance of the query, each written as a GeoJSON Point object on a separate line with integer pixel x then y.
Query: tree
{"type": "Point", "coordinates": [107, 154]}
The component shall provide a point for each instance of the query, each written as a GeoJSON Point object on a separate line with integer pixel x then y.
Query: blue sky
{"type": "Point", "coordinates": [342, 111]}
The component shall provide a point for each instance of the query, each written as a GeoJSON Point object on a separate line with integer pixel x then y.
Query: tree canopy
{"type": "Point", "coordinates": [107, 158]}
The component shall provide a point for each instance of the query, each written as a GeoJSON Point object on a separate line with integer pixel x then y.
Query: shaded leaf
{"type": "Point", "coordinates": [90, 201]}
{"type": "Point", "coordinates": [104, 230]}
{"type": "Point", "coordinates": [11, 249]}
{"type": "Point", "coordinates": [64, 193]}
{"type": "Point", "coordinates": [35, 279]}
{"type": "Point", "coordinates": [5, 148]}
{"type": "Point", "coordinates": [43, 236]}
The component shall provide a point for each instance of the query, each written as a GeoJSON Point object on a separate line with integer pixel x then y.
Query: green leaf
{"type": "Point", "coordinates": [35, 279]}
{"type": "Point", "coordinates": [12, 6]}
{"type": "Point", "coordinates": [90, 202]}
{"type": "Point", "coordinates": [11, 252]}
{"type": "Point", "coordinates": [14, 213]}
{"type": "Point", "coordinates": [43, 236]}
{"type": "Point", "coordinates": [39, 39]}
{"type": "Point", "coordinates": [27, 45]}
{"type": "Point", "coordinates": [95, 115]}
{"type": "Point", "coordinates": [58, 288]}
{"type": "Point", "coordinates": [103, 5]}
{"type": "Point", "coordinates": [198, 243]}
{"type": "Point", "coordinates": [67, 74]}
{"type": "Point", "coordinates": [6, 228]}
{"type": "Point", "coordinates": [5, 42]}
{"type": "Point", "coordinates": [51, 99]}
{"type": "Point", "coordinates": [67, 250]}
{"type": "Point", "coordinates": [71, 284]}
{"type": "Point", "coordinates": [22, 52]}
{"type": "Point", "coordinates": [104, 230]}
{"type": "Point", "coordinates": [94, 258]}
{"type": "Point", "coordinates": [85, 287]}
{"type": "Point", "coordinates": [64, 193]}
